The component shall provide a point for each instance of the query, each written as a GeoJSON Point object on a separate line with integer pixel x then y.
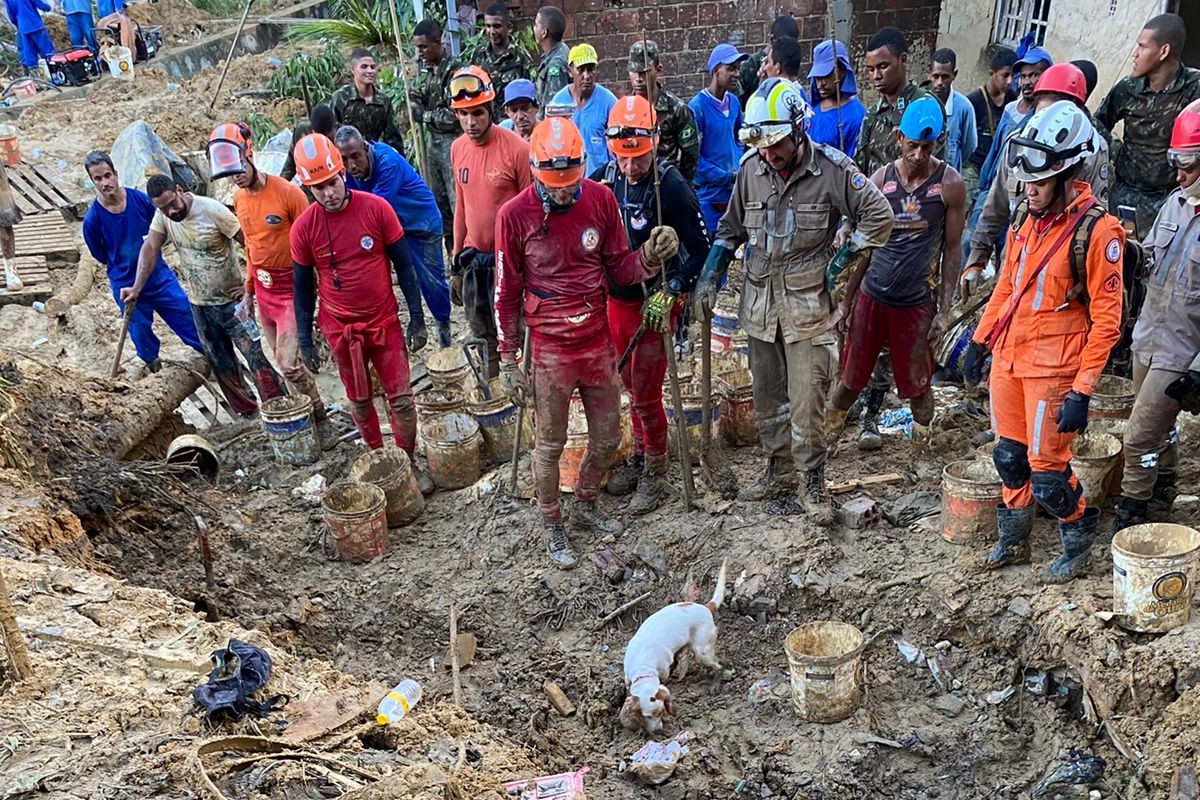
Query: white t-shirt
{"type": "Point", "coordinates": [204, 241]}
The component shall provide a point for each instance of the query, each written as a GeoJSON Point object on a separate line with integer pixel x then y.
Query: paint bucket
{"type": "Point", "coordinates": [10, 146]}
{"type": "Point", "coordinates": [970, 494]}
{"type": "Point", "coordinates": [120, 62]}
{"type": "Point", "coordinates": [693, 414]}
{"type": "Point", "coordinates": [448, 368]}
{"type": "Point", "coordinates": [738, 422]}
{"type": "Point", "coordinates": [194, 451]}
{"type": "Point", "coordinates": [1154, 574]}
{"type": "Point", "coordinates": [1116, 428]}
{"type": "Point", "coordinates": [724, 326]}
{"type": "Point", "coordinates": [1093, 458]}
{"type": "Point", "coordinates": [451, 449]}
{"type": "Point", "coordinates": [390, 470]}
{"type": "Point", "coordinates": [497, 420]}
{"type": "Point", "coordinates": [289, 425]}
{"type": "Point", "coordinates": [1112, 398]}
{"type": "Point", "coordinates": [577, 439]}
{"type": "Point", "coordinates": [432, 402]}
{"type": "Point", "coordinates": [357, 519]}
{"type": "Point", "coordinates": [825, 662]}
{"type": "Point", "coordinates": [985, 450]}
{"type": "Point", "coordinates": [952, 347]}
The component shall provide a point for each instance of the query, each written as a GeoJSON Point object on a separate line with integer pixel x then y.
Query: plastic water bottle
{"type": "Point", "coordinates": [399, 701]}
{"type": "Point", "coordinates": [248, 324]}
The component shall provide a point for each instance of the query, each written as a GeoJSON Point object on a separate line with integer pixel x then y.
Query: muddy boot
{"type": "Point", "coordinates": [815, 499]}
{"type": "Point", "coordinates": [1162, 497]}
{"type": "Point", "coordinates": [651, 488]}
{"type": "Point", "coordinates": [1129, 512]}
{"type": "Point", "coordinates": [623, 478]}
{"type": "Point", "coordinates": [154, 366]}
{"type": "Point", "coordinates": [869, 438]}
{"type": "Point", "coordinates": [587, 517]}
{"type": "Point", "coordinates": [835, 420]}
{"type": "Point", "coordinates": [1015, 525]}
{"type": "Point", "coordinates": [424, 482]}
{"type": "Point", "coordinates": [443, 333]}
{"type": "Point", "coordinates": [559, 547]}
{"type": "Point", "coordinates": [1076, 538]}
{"type": "Point", "coordinates": [779, 479]}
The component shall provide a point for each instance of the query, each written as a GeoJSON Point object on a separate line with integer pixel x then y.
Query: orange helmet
{"type": "Point", "coordinates": [556, 153]}
{"type": "Point", "coordinates": [317, 160]}
{"type": "Point", "coordinates": [631, 131]}
{"type": "Point", "coordinates": [228, 145]}
{"type": "Point", "coordinates": [471, 87]}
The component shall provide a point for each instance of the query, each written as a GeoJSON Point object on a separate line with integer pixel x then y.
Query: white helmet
{"type": "Point", "coordinates": [775, 111]}
{"type": "Point", "coordinates": [1054, 140]}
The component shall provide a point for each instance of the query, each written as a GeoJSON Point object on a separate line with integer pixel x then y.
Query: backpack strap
{"type": "Point", "coordinates": [1020, 214]}
{"type": "Point", "coordinates": [610, 172]}
{"type": "Point", "coordinates": [1078, 256]}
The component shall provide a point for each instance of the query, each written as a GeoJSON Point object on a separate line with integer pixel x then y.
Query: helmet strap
{"type": "Point", "coordinates": [548, 204]}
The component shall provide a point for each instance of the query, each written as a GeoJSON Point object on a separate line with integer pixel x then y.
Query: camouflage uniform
{"type": "Point", "coordinates": [748, 76]}
{"type": "Point", "coordinates": [1143, 178]}
{"type": "Point", "coordinates": [678, 136]}
{"type": "Point", "coordinates": [431, 103]}
{"type": "Point", "coordinates": [551, 75]}
{"type": "Point", "coordinates": [503, 68]}
{"type": "Point", "coordinates": [877, 139]}
{"type": "Point", "coordinates": [375, 120]}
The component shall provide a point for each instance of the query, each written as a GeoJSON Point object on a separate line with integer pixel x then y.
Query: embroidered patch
{"type": "Point", "coordinates": [590, 239]}
{"type": "Point", "coordinates": [889, 187]}
{"type": "Point", "coordinates": [1113, 251]}
{"type": "Point", "coordinates": [934, 191]}
{"type": "Point", "coordinates": [858, 181]}
{"type": "Point", "coordinates": [366, 243]}
{"type": "Point", "coordinates": [1104, 172]}
{"type": "Point", "coordinates": [273, 219]}
{"type": "Point", "coordinates": [263, 277]}
{"type": "Point", "coordinates": [1112, 283]}
{"type": "Point", "coordinates": [638, 222]}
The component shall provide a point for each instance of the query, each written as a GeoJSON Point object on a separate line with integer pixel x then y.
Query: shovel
{"type": "Point", "coordinates": [116, 365]}
{"type": "Point", "coordinates": [478, 363]}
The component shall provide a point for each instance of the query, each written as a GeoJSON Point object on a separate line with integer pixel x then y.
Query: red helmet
{"type": "Point", "coordinates": [1185, 134]}
{"type": "Point", "coordinates": [1064, 78]}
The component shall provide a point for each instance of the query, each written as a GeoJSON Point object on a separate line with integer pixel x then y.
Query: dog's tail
{"type": "Point", "coordinates": [719, 592]}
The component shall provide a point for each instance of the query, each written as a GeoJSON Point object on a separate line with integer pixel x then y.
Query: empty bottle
{"type": "Point", "coordinates": [399, 701]}
{"type": "Point", "coordinates": [248, 324]}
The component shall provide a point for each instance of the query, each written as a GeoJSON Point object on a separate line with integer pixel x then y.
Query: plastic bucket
{"type": "Point", "coordinates": [1113, 427]}
{"type": "Point", "coordinates": [120, 62]}
{"type": "Point", "coordinates": [1154, 575]}
{"type": "Point", "coordinates": [432, 402]}
{"type": "Point", "coordinates": [825, 661]}
{"type": "Point", "coordinates": [357, 519]}
{"type": "Point", "coordinates": [724, 326]}
{"type": "Point", "coordinates": [738, 422]}
{"type": "Point", "coordinates": [1112, 398]}
{"type": "Point", "coordinates": [497, 420]}
{"type": "Point", "coordinates": [1093, 458]}
{"type": "Point", "coordinates": [984, 451]}
{"type": "Point", "coordinates": [693, 414]}
{"type": "Point", "coordinates": [448, 369]}
{"type": "Point", "coordinates": [289, 425]}
{"type": "Point", "coordinates": [390, 470]}
{"type": "Point", "coordinates": [577, 439]}
{"type": "Point", "coordinates": [970, 494]}
{"type": "Point", "coordinates": [194, 451]}
{"type": "Point", "coordinates": [451, 449]}
{"type": "Point", "coordinates": [10, 146]}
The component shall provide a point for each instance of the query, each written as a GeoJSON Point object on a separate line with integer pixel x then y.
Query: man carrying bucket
{"type": "Point", "coordinates": [558, 243]}
{"type": "Point", "coordinates": [1166, 338]}
{"type": "Point", "coordinates": [348, 239]}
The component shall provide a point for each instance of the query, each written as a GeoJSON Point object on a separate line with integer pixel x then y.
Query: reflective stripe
{"type": "Point", "coordinates": [1020, 270]}
{"type": "Point", "coordinates": [1037, 295]}
{"type": "Point", "coordinates": [1037, 427]}
{"type": "Point", "coordinates": [1148, 461]}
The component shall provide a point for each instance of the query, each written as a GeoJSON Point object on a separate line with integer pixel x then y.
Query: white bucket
{"type": "Point", "coordinates": [825, 661]}
{"type": "Point", "coordinates": [120, 62]}
{"type": "Point", "coordinates": [1154, 576]}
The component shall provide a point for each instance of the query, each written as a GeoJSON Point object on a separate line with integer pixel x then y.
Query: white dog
{"type": "Point", "coordinates": [652, 651]}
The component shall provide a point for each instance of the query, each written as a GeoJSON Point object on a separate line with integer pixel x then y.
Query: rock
{"type": "Point", "coordinates": [949, 705]}
{"type": "Point", "coordinates": [1020, 606]}
{"type": "Point", "coordinates": [761, 606]}
{"type": "Point", "coordinates": [652, 556]}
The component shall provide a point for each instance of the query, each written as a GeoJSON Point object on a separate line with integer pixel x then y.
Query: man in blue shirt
{"type": "Point", "coordinates": [79, 23]}
{"type": "Point", "coordinates": [32, 40]}
{"type": "Point", "coordinates": [961, 135]}
{"type": "Point", "coordinates": [718, 117]}
{"type": "Point", "coordinates": [591, 101]}
{"type": "Point", "coordinates": [377, 168]}
{"type": "Point", "coordinates": [114, 227]}
{"type": "Point", "coordinates": [837, 112]}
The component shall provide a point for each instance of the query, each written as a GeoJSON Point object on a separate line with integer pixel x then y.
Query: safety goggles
{"type": "Point", "coordinates": [468, 87]}
{"type": "Point", "coordinates": [625, 132]}
{"type": "Point", "coordinates": [1034, 157]}
{"type": "Point", "coordinates": [1184, 161]}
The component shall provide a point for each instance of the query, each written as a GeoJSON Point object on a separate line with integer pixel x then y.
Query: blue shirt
{"type": "Point", "coordinates": [720, 150]}
{"type": "Point", "coordinates": [106, 7]}
{"type": "Point", "coordinates": [393, 179]}
{"type": "Point", "coordinates": [116, 239]}
{"type": "Point", "coordinates": [823, 127]}
{"type": "Point", "coordinates": [77, 7]}
{"type": "Point", "coordinates": [591, 120]}
{"type": "Point", "coordinates": [1011, 120]}
{"type": "Point", "coordinates": [23, 14]}
{"type": "Point", "coordinates": [962, 137]}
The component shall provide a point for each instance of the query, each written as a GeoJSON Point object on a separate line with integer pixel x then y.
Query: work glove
{"type": "Point", "coordinates": [1072, 415]}
{"type": "Point", "coordinates": [308, 354]}
{"type": "Point", "coordinates": [969, 280]}
{"type": "Point", "coordinates": [513, 381]}
{"type": "Point", "coordinates": [716, 266]}
{"type": "Point", "coordinates": [456, 287]}
{"type": "Point", "coordinates": [972, 366]}
{"type": "Point", "coordinates": [418, 114]}
{"type": "Point", "coordinates": [1185, 390]}
{"type": "Point", "coordinates": [845, 260]}
{"type": "Point", "coordinates": [656, 313]}
{"type": "Point", "coordinates": [417, 335]}
{"type": "Point", "coordinates": [662, 245]}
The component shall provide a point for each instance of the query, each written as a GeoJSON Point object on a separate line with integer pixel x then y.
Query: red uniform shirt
{"type": "Point", "coordinates": [550, 262]}
{"type": "Point", "coordinates": [349, 246]}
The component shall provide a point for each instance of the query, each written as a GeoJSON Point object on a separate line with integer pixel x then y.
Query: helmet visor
{"type": "Point", "coordinates": [224, 159]}
{"type": "Point", "coordinates": [467, 87]}
{"type": "Point", "coordinates": [1034, 157]}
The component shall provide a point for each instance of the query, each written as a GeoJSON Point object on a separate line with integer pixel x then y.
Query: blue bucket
{"type": "Point", "coordinates": [289, 425]}
{"type": "Point", "coordinates": [497, 420]}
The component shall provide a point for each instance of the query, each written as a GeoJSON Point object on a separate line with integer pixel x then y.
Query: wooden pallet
{"type": "Point", "coordinates": [46, 235]}
{"type": "Point", "coordinates": [34, 193]}
{"type": "Point", "coordinates": [36, 277]}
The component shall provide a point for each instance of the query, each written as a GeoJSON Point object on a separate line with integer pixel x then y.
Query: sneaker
{"type": "Point", "coordinates": [424, 482]}
{"type": "Point", "coordinates": [778, 479]}
{"type": "Point", "coordinates": [558, 547]}
{"type": "Point", "coordinates": [623, 478]}
{"type": "Point", "coordinates": [586, 516]}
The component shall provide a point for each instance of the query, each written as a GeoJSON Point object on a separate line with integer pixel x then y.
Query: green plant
{"type": "Point", "coordinates": [359, 23]}
{"type": "Point", "coordinates": [262, 127]}
{"type": "Point", "coordinates": [323, 71]}
{"type": "Point", "coordinates": [221, 9]}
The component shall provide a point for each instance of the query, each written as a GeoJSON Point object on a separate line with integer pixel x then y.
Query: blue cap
{"type": "Point", "coordinates": [923, 120]}
{"type": "Point", "coordinates": [825, 59]}
{"type": "Point", "coordinates": [520, 89]}
{"type": "Point", "coordinates": [724, 54]}
{"type": "Point", "coordinates": [1034, 55]}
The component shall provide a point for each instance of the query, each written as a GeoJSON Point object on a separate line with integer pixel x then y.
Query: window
{"type": "Point", "coordinates": [1015, 18]}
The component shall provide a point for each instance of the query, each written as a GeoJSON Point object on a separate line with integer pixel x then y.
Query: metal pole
{"type": "Point", "coordinates": [516, 454]}
{"type": "Point", "coordinates": [685, 454]}
{"type": "Point", "coordinates": [229, 58]}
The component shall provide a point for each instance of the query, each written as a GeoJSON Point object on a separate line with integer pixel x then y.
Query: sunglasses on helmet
{"type": "Point", "coordinates": [1184, 161]}
{"type": "Point", "coordinates": [467, 87]}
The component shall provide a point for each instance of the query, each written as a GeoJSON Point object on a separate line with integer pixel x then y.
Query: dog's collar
{"type": "Point", "coordinates": [643, 677]}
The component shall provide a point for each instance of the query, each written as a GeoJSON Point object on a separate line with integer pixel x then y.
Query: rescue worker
{"type": "Point", "coordinates": [558, 244]}
{"type": "Point", "coordinates": [591, 102]}
{"type": "Point", "coordinates": [520, 108]}
{"type": "Point", "coordinates": [630, 176]}
{"type": "Point", "coordinates": [203, 232]}
{"type": "Point", "coordinates": [499, 56]}
{"type": "Point", "coordinates": [750, 72]}
{"type": "Point", "coordinates": [341, 248]}
{"type": "Point", "coordinates": [786, 205]}
{"type": "Point", "coordinates": [266, 207]}
{"type": "Point", "coordinates": [837, 113]}
{"type": "Point", "coordinates": [431, 108]}
{"type": "Point", "coordinates": [549, 26]}
{"type": "Point", "coordinates": [718, 118]}
{"type": "Point", "coordinates": [491, 166]}
{"type": "Point", "coordinates": [1049, 327]}
{"type": "Point", "coordinates": [907, 289]}
{"type": "Point", "coordinates": [362, 104]}
{"type": "Point", "coordinates": [1166, 338]}
{"type": "Point", "coordinates": [377, 168]}
{"type": "Point", "coordinates": [1149, 101]}
{"type": "Point", "coordinates": [678, 137]}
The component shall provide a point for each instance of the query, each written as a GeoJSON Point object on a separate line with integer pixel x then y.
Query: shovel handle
{"type": "Point", "coordinates": [116, 365]}
{"type": "Point", "coordinates": [516, 453]}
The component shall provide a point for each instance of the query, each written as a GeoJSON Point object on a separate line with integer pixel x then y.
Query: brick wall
{"type": "Point", "coordinates": [687, 31]}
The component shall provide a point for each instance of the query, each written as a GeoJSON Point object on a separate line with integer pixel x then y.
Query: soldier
{"type": "Point", "coordinates": [361, 104]}
{"type": "Point", "coordinates": [749, 75]}
{"type": "Point", "coordinates": [787, 202]}
{"type": "Point", "coordinates": [678, 137]}
{"type": "Point", "coordinates": [499, 56]}
{"type": "Point", "coordinates": [1149, 100]}
{"type": "Point", "coordinates": [549, 26]}
{"type": "Point", "coordinates": [431, 106]}
{"type": "Point", "coordinates": [887, 64]}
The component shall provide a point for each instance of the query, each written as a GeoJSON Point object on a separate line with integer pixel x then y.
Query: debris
{"type": "Point", "coordinates": [858, 513]}
{"type": "Point", "coordinates": [1184, 784]}
{"type": "Point", "coordinates": [655, 761]}
{"type": "Point", "coordinates": [761, 606]}
{"type": "Point", "coordinates": [1020, 606]}
{"type": "Point", "coordinates": [610, 565]}
{"type": "Point", "coordinates": [609, 617]}
{"type": "Point", "coordinates": [939, 671]}
{"type": "Point", "coordinates": [949, 705]}
{"type": "Point", "coordinates": [466, 652]}
{"type": "Point", "coordinates": [909, 508]}
{"type": "Point", "coordinates": [912, 654]}
{"type": "Point", "coordinates": [455, 659]}
{"type": "Point", "coordinates": [652, 556]}
{"type": "Point", "coordinates": [862, 483]}
{"type": "Point", "coordinates": [311, 491]}
{"type": "Point", "coordinates": [866, 738]}
{"type": "Point", "coordinates": [1036, 682]}
{"type": "Point", "coordinates": [999, 696]}
{"type": "Point", "coordinates": [13, 641]}
{"type": "Point", "coordinates": [239, 670]}
{"type": "Point", "coordinates": [896, 420]}
{"type": "Point", "coordinates": [759, 692]}
{"type": "Point", "coordinates": [1078, 768]}
{"type": "Point", "coordinates": [558, 699]}
{"type": "Point", "coordinates": [564, 786]}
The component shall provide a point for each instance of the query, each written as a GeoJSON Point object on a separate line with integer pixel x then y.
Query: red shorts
{"type": "Point", "coordinates": [906, 333]}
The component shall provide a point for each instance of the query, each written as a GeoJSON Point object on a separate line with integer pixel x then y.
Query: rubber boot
{"type": "Point", "coordinates": [623, 478]}
{"type": "Point", "coordinates": [558, 547]}
{"type": "Point", "coordinates": [651, 488]}
{"type": "Point", "coordinates": [869, 438]}
{"type": "Point", "coordinates": [1076, 538]}
{"type": "Point", "coordinates": [154, 366]}
{"type": "Point", "coordinates": [779, 478]}
{"type": "Point", "coordinates": [1129, 512]}
{"type": "Point", "coordinates": [835, 420]}
{"type": "Point", "coordinates": [815, 499]}
{"type": "Point", "coordinates": [1162, 497]}
{"type": "Point", "coordinates": [586, 516]}
{"type": "Point", "coordinates": [1015, 525]}
{"type": "Point", "coordinates": [443, 333]}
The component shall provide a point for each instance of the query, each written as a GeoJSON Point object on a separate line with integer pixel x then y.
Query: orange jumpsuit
{"type": "Point", "coordinates": [1049, 347]}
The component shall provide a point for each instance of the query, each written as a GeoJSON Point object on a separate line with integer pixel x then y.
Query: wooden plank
{"type": "Point", "coordinates": [38, 180]}
{"type": "Point", "coordinates": [1184, 785]}
{"type": "Point", "coordinates": [45, 234]}
{"type": "Point", "coordinates": [22, 188]}
{"type": "Point", "coordinates": [861, 483]}
{"type": "Point", "coordinates": [27, 295]}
